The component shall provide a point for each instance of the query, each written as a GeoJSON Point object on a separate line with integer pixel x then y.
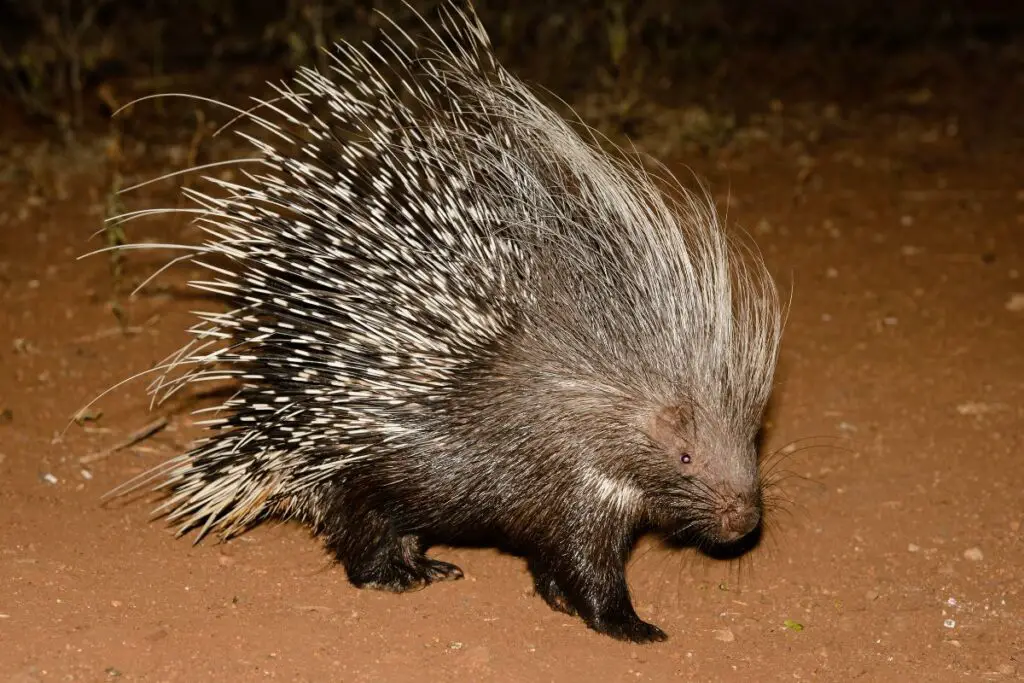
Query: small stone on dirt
{"type": "Point", "coordinates": [977, 408]}
{"type": "Point", "coordinates": [725, 635]}
{"type": "Point", "coordinates": [974, 555]}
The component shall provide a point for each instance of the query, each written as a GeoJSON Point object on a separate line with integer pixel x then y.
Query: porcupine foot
{"type": "Point", "coordinates": [587, 578]}
{"type": "Point", "coordinates": [396, 564]}
{"type": "Point", "coordinates": [374, 555]}
{"type": "Point", "coordinates": [603, 602]}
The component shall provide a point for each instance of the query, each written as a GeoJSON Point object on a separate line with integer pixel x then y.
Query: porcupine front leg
{"type": "Point", "coordinates": [587, 577]}
{"type": "Point", "coordinates": [374, 554]}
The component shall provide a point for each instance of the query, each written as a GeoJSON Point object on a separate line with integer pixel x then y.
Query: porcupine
{"type": "Point", "coordinates": [455, 319]}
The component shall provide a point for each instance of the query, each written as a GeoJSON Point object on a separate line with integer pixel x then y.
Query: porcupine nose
{"type": "Point", "coordinates": [739, 517]}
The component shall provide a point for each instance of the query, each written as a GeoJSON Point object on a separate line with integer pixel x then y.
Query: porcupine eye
{"type": "Point", "coordinates": [685, 458]}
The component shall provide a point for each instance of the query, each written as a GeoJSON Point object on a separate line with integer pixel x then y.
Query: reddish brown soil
{"type": "Point", "coordinates": [898, 225]}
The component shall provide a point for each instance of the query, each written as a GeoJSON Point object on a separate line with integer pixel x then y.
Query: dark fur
{"type": "Point", "coordinates": [511, 474]}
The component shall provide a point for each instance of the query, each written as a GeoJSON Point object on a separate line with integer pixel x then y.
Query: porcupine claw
{"type": "Point", "coordinates": [633, 630]}
{"type": "Point", "coordinates": [436, 570]}
{"type": "Point", "coordinates": [399, 577]}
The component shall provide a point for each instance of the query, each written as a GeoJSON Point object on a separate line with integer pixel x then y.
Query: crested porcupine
{"type": "Point", "coordinates": [454, 319]}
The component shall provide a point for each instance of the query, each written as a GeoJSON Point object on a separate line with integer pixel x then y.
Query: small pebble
{"type": "Point", "coordinates": [974, 555]}
{"type": "Point", "coordinates": [976, 408]}
{"type": "Point", "coordinates": [725, 635]}
{"type": "Point", "coordinates": [1016, 302]}
{"type": "Point", "coordinates": [913, 547]}
{"type": "Point", "coordinates": [949, 623]}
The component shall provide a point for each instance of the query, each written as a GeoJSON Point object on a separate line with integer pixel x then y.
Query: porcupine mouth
{"type": "Point", "coordinates": [729, 530]}
{"type": "Point", "coordinates": [736, 520]}
{"type": "Point", "coordinates": [738, 531]}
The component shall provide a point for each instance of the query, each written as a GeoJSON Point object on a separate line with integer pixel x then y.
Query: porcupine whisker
{"type": "Point", "coordinates": [784, 453]}
{"type": "Point", "coordinates": [775, 481]}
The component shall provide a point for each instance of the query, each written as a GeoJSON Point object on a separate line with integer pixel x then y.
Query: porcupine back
{"type": "Point", "coordinates": [439, 279]}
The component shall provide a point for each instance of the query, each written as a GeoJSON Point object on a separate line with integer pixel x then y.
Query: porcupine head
{"type": "Point", "coordinates": [460, 321]}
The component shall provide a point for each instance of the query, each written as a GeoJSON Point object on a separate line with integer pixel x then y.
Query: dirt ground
{"type": "Point", "coordinates": [895, 214]}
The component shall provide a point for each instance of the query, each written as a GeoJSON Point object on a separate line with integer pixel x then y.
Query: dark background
{"type": "Point", "coordinates": [54, 54]}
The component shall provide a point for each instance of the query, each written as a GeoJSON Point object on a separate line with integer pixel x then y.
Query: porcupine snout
{"type": "Point", "coordinates": [738, 515]}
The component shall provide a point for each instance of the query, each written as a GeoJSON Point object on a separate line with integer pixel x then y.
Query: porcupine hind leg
{"type": "Point", "coordinates": [374, 554]}
{"type": "Point", "coordinates": [587, 577]}
{"type": "Point", "coordinates": [546, 586]}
